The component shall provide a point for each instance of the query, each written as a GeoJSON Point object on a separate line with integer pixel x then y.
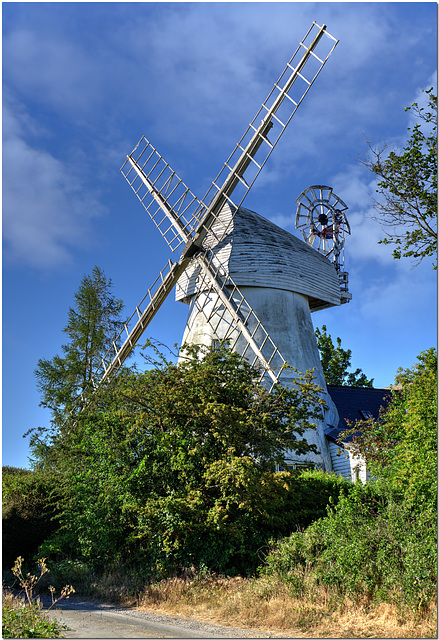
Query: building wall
{"type": "Point", "coordinates": [347, 465]}
{"type": "Point", "coordinates": [340, 460]}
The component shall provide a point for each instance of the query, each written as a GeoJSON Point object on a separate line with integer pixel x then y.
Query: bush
{"type": "Point", "coordinates": [369, 546]}
{"type": "Point", "coordinates": [29, 510]}
{"type": "Point", "coordinates": [310, 494]}
{"type": "Point", "coordinates": [175, 467]}
{"type": "Point", "coordinates": [22, 615]}
{"type": "Point", "coordinates": [24, 620]}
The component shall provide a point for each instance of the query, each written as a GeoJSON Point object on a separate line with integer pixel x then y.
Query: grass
{"type": "Point", "coordinates": [265, 603]}
{"type": "Point", "coordinates": [269, 604]}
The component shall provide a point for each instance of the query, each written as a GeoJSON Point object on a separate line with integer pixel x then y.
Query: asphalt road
{"type": "Point", "coordinates": [88, 619]}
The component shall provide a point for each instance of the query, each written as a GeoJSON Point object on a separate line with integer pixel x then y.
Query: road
{"type": "Point", "coordinates": [89, 619]}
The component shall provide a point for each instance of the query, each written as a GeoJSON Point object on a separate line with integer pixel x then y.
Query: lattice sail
{"type": "Point", "coordinates": [137, 322]}
{"type": "Point", "coordinates": [254, 148]}
{"type": "Point", "coordinates": [150, 175]}
{"type": "Point", "coordinates": [172, 206]}
{"type": "Point", "coordinates": [183, 219]}
{"type": "Point", "coordinates": [232, 318]}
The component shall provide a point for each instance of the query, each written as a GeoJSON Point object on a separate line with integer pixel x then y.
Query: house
{"type": "Point", "coordinates": [353, 403]}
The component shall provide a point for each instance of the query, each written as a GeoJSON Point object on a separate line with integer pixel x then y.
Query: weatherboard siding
{"type": "Point", "coordinates": [340, 460]}
{"type": "Point", "coordinates": [257, 253]}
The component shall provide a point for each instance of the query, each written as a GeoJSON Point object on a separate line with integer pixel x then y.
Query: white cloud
{"type": "Point", "coordinates": [399, 298]}
{"type": "Point", "coordinates": [46, 211]}
{"type": "Point", "coordinates": [197, 93]}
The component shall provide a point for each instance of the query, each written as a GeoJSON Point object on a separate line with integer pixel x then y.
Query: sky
{"type": "Point", "coordinates": [82, 82]}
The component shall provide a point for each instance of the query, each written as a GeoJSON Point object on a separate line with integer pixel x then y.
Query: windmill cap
{"type": "Point", "coordinates": [257, 253]}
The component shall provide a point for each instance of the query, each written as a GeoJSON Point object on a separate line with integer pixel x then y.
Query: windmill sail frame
{"type": "Point", "coordinates": [183, 219]}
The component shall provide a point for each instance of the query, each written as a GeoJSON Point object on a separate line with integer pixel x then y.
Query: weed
{"type": "Point", "coordinates": [22, 615]}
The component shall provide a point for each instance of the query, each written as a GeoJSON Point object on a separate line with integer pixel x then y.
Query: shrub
{"type": "Point", "coordinates": [22, 615]}
{"type": "Point", "coordinates": [175, 466]}
{"type": "Point", "coordinates": [29, 510]}
{"type": "Point", "coordinates": [369, 546]}
{"type": "Point", "coordinates": [24, 620]}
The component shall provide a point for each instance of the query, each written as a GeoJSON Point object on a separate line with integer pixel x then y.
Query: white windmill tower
{"type": "Point", "coordinates": [245, 279]}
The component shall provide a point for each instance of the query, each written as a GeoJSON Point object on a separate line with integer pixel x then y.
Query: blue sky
{"type": "Point", "coordinates": [82, 82]}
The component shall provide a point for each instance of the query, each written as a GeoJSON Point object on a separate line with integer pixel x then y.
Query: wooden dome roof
{"type": "Point", "coordinates": [258, 253]}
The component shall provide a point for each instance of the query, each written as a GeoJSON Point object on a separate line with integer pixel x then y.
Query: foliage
{"type": "Point", "coordinates": [23, 617]}
{"type": "Point", "coordinates": [310, 494]}
{"type": "Point", "coordinates": [368, 547]}
{"type": "Point", "coordinates": [401, 446]}
{"type": "Point", "coordinates": [379, 541]}
{"type": "Point", "coordinates": [408, 186]}
{"type": "Point", "coordinates": [19, 471]}
{"type": "Point", "coordinates": [29, 507]}
{"type": "Point", "coordinates": [336, 362]}
{"type": "Point", "coordinates": [23, 620]}
{"type": "Point", "coordinates": [92, 324]}
{"type": "Point", "coordinates": [176, 466]}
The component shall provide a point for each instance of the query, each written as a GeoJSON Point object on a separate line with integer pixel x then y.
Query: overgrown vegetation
{"type": "Point", "coordinates": [176, 467]}
{"type": "Point", "coordinates": [29, 507]}
{"type": "Point", "coordinates": [379, 542]}
{"type": "Point", "coordinates": [268, 601]}
{"type": "Point", "coordinates": [164, 487]}
{"type": "Point", "coordinates": [22, 614]}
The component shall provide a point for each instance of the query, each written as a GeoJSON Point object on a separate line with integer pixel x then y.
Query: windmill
{"type": "Point", "coordinates": [219, 241]}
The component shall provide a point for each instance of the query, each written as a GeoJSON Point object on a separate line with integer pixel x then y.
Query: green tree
{"type": "Point", "coordinates": [401, 446]}
{"type": "Point", "coordinates": [408, 187]}
{"type": "Point", "coordinates": [176, 466]}
{"type": "Point", "coordinates": [66, 380]}
{"type": "Point", "coordinates": [336, 362]}
{"type": "Point", "coordinates": [92, 324]}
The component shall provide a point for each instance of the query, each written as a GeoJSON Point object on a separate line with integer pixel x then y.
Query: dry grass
{"type": "Point", "coordinates": [268, 604]}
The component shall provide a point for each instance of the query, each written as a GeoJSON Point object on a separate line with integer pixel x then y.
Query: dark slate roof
{"type": "Point", "coordinates": [350, 402]}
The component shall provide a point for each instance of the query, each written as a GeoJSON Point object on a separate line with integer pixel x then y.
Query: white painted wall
{"type": "Point", "coordinates": [346, 464]}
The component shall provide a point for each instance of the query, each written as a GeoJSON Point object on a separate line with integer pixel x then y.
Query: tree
{"type": "Point", "coordinates": [176, 466]}
{"type": "Point", "coordinates": [401, 446]}
{"type": "Point", "coordinates": [336, 362]}
{"type": "Point", "coordinates": [91, 327]}
{"type": "Point", "coordinates": [408, 186]}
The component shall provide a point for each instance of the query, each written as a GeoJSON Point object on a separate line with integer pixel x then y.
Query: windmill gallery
{"type": "Point", "coordinates": [245, 279]}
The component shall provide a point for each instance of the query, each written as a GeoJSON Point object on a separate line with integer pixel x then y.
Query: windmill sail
{"type": "Point", "coordinates": [138, 321]}
{"type": "Point", "coordinates": [183, 219]}
{"type": "Point", "coordinates": [254, 148]}
{"type": "Point", "coordinates": [245, 162]}
{"type": "Point", "coordinates": [232, 318]}
{"type": "Point", "coordinates": [173, 208]}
